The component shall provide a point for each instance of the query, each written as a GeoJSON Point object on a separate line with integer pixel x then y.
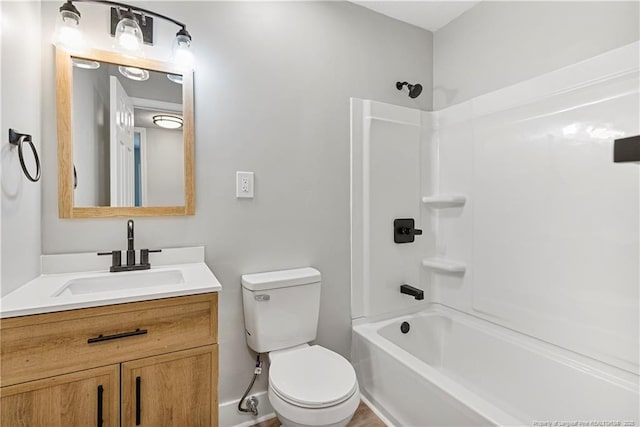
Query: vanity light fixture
{"type": "Point", "coordinates": [180, 50]}
{"type": "Point", "coordinates": [129, 36]}
{"type": "Point", "coordinates": [134, 73]}
{"type": "Point", "coordinates": [67, 32]}
{"type": "Point", "coordinates": [167, 121]}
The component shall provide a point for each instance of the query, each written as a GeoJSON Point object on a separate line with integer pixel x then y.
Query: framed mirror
{"type": "Point", "coordinates": [125, 136]}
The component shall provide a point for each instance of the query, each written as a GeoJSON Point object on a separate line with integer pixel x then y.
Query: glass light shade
{"type": "Point", "coordinates": [181, 51]}
{"type": "Point", "coordinates": [68, 35]}
{"type": "Point", "coordinates": [129, 36]}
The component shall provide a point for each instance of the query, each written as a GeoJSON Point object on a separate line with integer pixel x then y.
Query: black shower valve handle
{"type": "Point", "coordinates": [409, 230]}
{"type": "Point", "coordinates": [404, 230]}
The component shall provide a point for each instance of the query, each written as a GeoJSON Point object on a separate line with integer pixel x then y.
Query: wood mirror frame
{"type": "Point", "coordinates": [64, 94]}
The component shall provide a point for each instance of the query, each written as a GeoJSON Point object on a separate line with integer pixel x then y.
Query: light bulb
{"type": "Point", "coordinates": [129, 35]}
{"type": "Point", "coordinates": [68, 35]}
{"type": "Point", "coordinates": [180, 51]}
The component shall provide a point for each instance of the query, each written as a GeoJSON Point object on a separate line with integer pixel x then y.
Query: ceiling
{"type": "Point", "coordinates": [430, 15]}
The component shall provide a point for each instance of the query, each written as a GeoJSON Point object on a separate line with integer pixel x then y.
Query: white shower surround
{"type": "Point", "coordinates": [547, 241]}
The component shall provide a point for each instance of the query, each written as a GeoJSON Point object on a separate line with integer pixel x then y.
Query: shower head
{"type": "Point", "coordinates": [414, 90]}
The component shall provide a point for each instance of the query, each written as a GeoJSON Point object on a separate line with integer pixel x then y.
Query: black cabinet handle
{"type": "Point", "coordinates": [100, 392]}
{"type": "Point", "coordinates": [101, 337]}
{"type": "Point", "coordinates": [138, 401]}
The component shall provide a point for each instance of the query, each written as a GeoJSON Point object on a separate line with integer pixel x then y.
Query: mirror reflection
{"type": "Point", "coordinates": [128, 147]}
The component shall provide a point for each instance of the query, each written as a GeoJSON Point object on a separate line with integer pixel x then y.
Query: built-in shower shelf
{"type": "Point", "coordinates": [444, 201]}
{"type": "Point", "coordinates": [444, 265]}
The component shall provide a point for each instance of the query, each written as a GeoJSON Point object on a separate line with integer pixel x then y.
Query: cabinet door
{"type": "Point", "coordinates": [85, 398]}
{"type": "Point", "coordinates": [175, 389]}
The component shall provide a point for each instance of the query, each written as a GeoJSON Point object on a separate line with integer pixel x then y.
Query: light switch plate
{"type": "Point", "coordinates": [244, 185]}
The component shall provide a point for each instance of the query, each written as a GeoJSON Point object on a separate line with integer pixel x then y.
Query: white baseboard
{"type": "Point", "coordinates": [229, 416]}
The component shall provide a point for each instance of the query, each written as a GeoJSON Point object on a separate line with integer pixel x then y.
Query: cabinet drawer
{"type": "Point", "coordinates": [45, 345]}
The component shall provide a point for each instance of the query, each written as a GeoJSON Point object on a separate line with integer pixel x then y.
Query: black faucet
{"type": "Point", "coordinates": [414, 292]}
{"type": "Point", "coordinates": [131, 253]}
{"type": "Point", "coordinates": [116, 256]}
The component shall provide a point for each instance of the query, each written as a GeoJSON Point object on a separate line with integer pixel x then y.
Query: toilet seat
{"type": "Point", "coordinates": [312, 377]}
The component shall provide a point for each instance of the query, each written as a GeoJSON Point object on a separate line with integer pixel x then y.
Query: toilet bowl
{"type": "Point", "coordinates": [312, 386]}
{"type": "Point", "coordinates": [308, 385]}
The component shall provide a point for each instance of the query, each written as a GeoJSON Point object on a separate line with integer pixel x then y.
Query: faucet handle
{"type": "Point", "coordinates": [116, 257]}
{"type": "Point", "coordinates": [404, 230]}
{"type": "Point", "coordinates": [144, 255]}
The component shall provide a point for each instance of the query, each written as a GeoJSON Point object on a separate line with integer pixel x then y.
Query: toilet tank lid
{"type": "Point", "coordinates": [280, 279]}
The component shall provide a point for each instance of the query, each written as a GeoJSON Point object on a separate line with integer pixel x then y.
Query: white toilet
{"type": "Point", "coordinates": [308, 385]}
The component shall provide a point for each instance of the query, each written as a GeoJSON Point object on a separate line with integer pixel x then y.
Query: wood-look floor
{"type": "Point", "coordinates": [364, 417]}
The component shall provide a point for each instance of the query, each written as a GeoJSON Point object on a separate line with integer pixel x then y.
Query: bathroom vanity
{"type": "Point", "coordinates": [139, 356]}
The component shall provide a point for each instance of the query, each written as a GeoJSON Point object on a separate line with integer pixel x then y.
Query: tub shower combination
{"type": "Point", "coordinates": [519, 302]}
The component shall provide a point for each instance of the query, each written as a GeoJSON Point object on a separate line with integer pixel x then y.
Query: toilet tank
{"type": "Point", "coordinates": [281, 308]}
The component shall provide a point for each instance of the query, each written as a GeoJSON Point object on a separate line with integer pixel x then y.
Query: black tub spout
{"type": "Point", "coordinates": [414, 292]}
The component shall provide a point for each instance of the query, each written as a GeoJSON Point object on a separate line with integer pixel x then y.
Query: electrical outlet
{"type": "Point", "coordinates": [244, 185]}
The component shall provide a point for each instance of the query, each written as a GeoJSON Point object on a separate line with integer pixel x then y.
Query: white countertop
{"type": "Point", "coordinates": [43, 294]}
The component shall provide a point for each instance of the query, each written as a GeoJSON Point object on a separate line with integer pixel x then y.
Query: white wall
{"type": "Point", "coordinates": [20, 84]}
{"type": "Point", "coordinates": [165, 167]}
{"type": "Point", "coordinates": [498, 43]}
{"type": "Point", "coordinates": [272, 89]}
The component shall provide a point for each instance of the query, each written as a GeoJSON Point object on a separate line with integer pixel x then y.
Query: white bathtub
{"type": "Point", "coordinates": [453, 369]}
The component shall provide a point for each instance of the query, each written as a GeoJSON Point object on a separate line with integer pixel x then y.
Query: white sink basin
{"type": "Point", "coordinates": [110, 282]}
{"type": "Point", "coordinates": [75, 281]}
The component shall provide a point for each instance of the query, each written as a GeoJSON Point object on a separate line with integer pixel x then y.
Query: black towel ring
{"type": "Point", "coordinates": [17, 139]}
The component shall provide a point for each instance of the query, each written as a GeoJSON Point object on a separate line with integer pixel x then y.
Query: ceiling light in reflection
{"type": "Point", "coordinates": [134, 73]}
{"type": "Point", "coordinates": [167, 121]}
{"type": "Point", "coordinates": [176, 78]}
{"type": "Point", "coordinates": [85, 64]}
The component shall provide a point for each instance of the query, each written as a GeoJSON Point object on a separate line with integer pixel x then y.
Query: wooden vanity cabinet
{"type": "Point", "coordinates": [151, 363]}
